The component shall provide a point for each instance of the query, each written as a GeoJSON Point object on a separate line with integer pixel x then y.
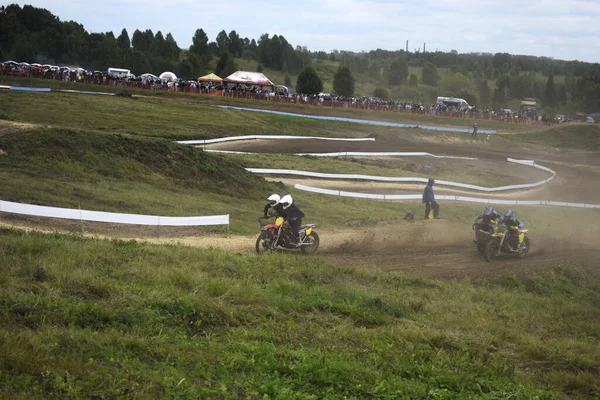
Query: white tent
{"type": "Point", "coordinates": [168, 76]}
{"type": "Point", "coordinates": [249, 79]}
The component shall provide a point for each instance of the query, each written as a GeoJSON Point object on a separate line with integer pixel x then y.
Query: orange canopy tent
{"type": "Point", "coordinates": [210, 78]}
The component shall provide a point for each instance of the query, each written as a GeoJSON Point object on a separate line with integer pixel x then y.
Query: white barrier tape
{"type": "Point", "coordinates": [230, 152]}
{"type": "Point", "coordinates": [274, 171]}
{"type": "Point", "coordinates": [381, 154]}
{"type": "Point", "coordinates": [83, 92]}
{"type": "Point", "coordinates": [4, 87]}
{"type": "Point", "coordinates": [442, 197]}
{"type": "Point", "coordinates": [355, 154]}
{"type": "Point", "coordinates": [117, 218]}
{"type": "Point", "coordinates": [272, 137]}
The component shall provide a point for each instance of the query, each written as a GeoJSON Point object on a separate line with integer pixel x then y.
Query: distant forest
{"type": "Point", "coordinates": [33, 34]}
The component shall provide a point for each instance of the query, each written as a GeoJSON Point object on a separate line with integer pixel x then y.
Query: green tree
{"type": "Point", "coordinates": [413, 81]}
{"type": "Point", "coordinates": [484, 94]}
{"type": "Point", "coordinates": [236, 45]}
{"type": "Point", "coordinates": [550, 92]}
{"type": "Point", "coordinates": [199, 43]}
{"type": "Point", "coordinates": [158, 45]}
{"type": "Point", "coordinates": [309, 82]}
{"type": "Point", "coordinates": [398, 72]}
{"type": "Point", "coordinates": [429, 74]}
{"type": "Point", "coordinates": [343, 82]}
{"type": "Point", "coordinates": [452, 83]}
{"type": "Point", "coordinates": [123, 41]}
{"type": "Point", "coordinates": [200, 50]}
{"type": "Point", "coordinates": [142, 41]}
{"type": "Point", "coordinates": [498, 100]}
{"type": "Point", "coordinates": [562, 95]}
{"type": "Point", "coordinates": [225, 65]}
{"type": "Point", "coordinates": [172, 50]}
{"type": "Point", "coordinates": [381, 93]}
{"type": "Point", "coordinates": [223, 41]}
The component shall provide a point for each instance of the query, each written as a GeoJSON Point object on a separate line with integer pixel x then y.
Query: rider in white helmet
{"type": "Point", "coordinates": [293, 215]}
{"type": "Point", "coordinates": [274, 204]}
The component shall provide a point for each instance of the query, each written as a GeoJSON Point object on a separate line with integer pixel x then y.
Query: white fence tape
{"type": "Point", "coordinates": [356, 154]}
{"type": "Point", "coordinates": [443, 197]}
{"type": "Point", "coordinates": [83, 92]}
{"type": "Point", "coordinates": [272, 137]}
{"type": "Point", "coordinates": [117, 218]}
{"type": "Point", "coordinates": [381, 154]}
{"type": "Point", "coordinates": [274, 171]}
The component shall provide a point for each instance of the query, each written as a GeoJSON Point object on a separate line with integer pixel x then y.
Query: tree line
{"type": "Point", "coordinates": [487, 80]}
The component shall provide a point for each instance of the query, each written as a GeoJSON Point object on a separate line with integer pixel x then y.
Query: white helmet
{"type": "Point", "coordinates": [274, 199]}
{"type": "Point", "coordinates": [286, 201]}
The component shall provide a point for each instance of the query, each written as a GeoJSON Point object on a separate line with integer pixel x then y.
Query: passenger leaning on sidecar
{"type": "Point", "coordinates": [513, 224]}
{"type": "Point", "coordinates": [486, 219]}
{"type": "Point", "coordinates": [293, 216]}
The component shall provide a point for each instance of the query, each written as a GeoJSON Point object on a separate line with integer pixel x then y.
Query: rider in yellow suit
{"type": "Point", "coordinates": [513, 224]}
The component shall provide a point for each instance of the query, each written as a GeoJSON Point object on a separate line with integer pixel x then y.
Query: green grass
{"type": "Point", "coordinates": [569, 136]}
{"type": "Point", "coordinates": [103, 319]}
{"type": "Point", "coordinates": [159, 117]}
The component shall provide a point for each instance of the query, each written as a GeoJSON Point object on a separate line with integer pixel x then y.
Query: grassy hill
{"type": "Point", "coordinates": [568, 136]}
{"type": "Point", "coordinates": [121, 173]}
{"type": "Point", "coordinates": [62, 167]}
{"type": "Point", "coordinates": [174, 117]}
{"type": "Point", "coordinates": [84, 318]}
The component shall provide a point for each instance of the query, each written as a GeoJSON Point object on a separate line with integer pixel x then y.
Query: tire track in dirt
{"type": "Point", "coordinates": [435, 249]}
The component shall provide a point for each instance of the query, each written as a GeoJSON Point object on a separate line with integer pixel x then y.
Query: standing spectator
{"type": "Point", "coordinates": [474, 134]}
{"type": "Point", "coordinates": [429, 200]}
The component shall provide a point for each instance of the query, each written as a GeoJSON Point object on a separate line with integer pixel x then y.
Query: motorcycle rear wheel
{"type": "Point", "coordinates": [313, 238]}
{"type": "Point", "coordinates": [491, 250]}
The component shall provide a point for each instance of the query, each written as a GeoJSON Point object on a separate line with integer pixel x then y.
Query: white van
{"type": "Point", "coordinates": [453, 102]}
{"type": "Point", "coordinates": [120, 73]}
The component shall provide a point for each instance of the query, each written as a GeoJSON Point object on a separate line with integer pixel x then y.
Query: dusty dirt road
{"type": "Point", "coordinates": [438, 249]}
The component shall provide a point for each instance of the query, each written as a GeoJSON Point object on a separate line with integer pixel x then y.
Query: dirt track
{"type": "Point", "coordinates": [578, 172]}
{"type": "Point", "coordinates": [443, 249]}
{"type": "Point", "coordinates": [438, 248]}
{"type": "Point", "coordinates": [430, 248]}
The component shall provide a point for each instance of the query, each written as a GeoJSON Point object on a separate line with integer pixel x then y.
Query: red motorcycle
{"type": "Point", "coordinates": [277, 236]}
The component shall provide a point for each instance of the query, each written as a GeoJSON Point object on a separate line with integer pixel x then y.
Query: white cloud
{"type": "Point", "coordinates": [566, 29]}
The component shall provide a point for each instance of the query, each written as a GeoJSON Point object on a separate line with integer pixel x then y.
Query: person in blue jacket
{"type": "Point", "coordinates": [429, 200]}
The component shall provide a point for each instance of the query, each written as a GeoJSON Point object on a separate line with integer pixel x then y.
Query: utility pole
{"type": "Point", "coordinates": [424, 47]}
{"type": "Point", "coordinates": [407, 46]}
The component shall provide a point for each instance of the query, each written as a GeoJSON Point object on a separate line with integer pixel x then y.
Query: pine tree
{"type": "Point", "coordinates": [343, 82]}
{"type": "Point", "coordinates": [309, 82]}
{"type": "Point", "coordinates": [550, 92]}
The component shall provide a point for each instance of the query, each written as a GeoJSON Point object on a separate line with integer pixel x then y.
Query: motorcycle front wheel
{"type": "Point", "coordinates": [260, 247]}
{"type": "Point", "coordinates": [481, 246]}
{"type": "Point", "coordinates": [313, 239]}
{"type": "Point", "coordinates": [524, 249]}
{"type": "Point", "coordinates": [491, 250]}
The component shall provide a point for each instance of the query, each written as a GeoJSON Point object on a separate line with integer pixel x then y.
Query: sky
{"type": "Point", "coordinates": [560, 29]}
